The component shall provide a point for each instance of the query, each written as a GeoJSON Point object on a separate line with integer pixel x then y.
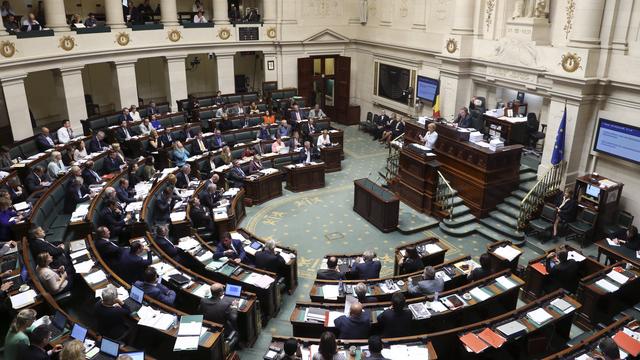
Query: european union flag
{"type": "Point", "coordinates": [558, 148]}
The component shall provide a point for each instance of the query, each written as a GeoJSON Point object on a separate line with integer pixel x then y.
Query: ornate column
{"type": "Point", "coordinates": [113, 13]}
{"type": "Point", "coordinates": [15, 97]}
{"type": "Point", "coordinates": [55, 15]}
{"type": "Point", "coordinates": [269, 11]}
{"type": "Point", "coordinates": [587, 21]}
{"type": "Point", "coordinates": [177, 76]}
{"type": "Point", "coordinates": [463, 19]}
{"type": "Point", "coordinates": [220, 12]}
{"type": "Point", "coordinates": [74, 97]}
{"type": "Point", "coordinates": [169, 12]}
{"type": "Point", "coordinates": [226, 73]}
{"type": "Point", "coordinates": [127, 84]}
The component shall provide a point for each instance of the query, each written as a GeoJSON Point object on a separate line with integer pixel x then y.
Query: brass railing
{"type": "Point", "coordinates": [444, 196]}
{"type": "Point", "coordinates": [550, 182]}
{"type": "Point", "coordinates": [393, 159]}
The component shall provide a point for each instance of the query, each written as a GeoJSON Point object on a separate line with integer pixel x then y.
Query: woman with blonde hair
{"type": "Point", "coordinates": [56, 166]}
{"type": "Point", "coordinates": [54, 280]}
{"type": "Point", "coordinates": [226, 155]}
{"type": "Point", "coordinates": [73, 350]}
{"type": "Point", "coordinates": [180, 154]}
{"type": "Point", "coordinates": [17, 338]}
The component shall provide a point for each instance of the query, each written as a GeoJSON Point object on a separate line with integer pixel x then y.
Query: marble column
{"type": "Point", "coordinates": [127, 84]}
{"type": "Point", "coordinates": [269, 11]}
{"type": "Point", "coordinates": [587, 21]}
{"type": "Point", "coordinates": [74, 97]}
{"type": "Point", "coordinates": [169, 12]}
{"type": "Point", "coordinates": [177, 77]}
{"type": "Point", "coordinates": [220, 12]}
{"type": "Point", "coordinates": [463, 19]}
{"type": "Point", "coordinates": [55, 15]}
{"type": "Point", "coordinates": [226, 73]}
{"type": "Point", "coordinates": [15, 97]}
{"type": "Point", "coordinates": [113, 13]}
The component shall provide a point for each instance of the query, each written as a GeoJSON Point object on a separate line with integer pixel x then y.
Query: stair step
{"type": "Point", "coordinates": [460, 210]}
{"type": "Point", "coordinates": [491, 235]}
{"type": "Point", "coordinates": [519, 194]}
{"type": "Point", "coordinates": [457, 201]}
{"type": "Point", "coordinates": [526, 186]}
{"type": "Point", "coordinates": [504, 219]}
{"type": "Point", "coordinates": [513, 201]}
{"type": "Point", "coordinates": [509, 233]}
{"type": "Point", "coordinates": [463, 230]}
{"type": "Point", "coordinates": [524, 177]}
{"type": "Point", "coordinates": [508, 210]}
{"type": "Point", "coordinates": [525, 169]}
{"type": "Point", "coordinates": [459, 220]}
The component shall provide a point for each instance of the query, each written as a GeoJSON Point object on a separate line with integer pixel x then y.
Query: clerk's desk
{"type": "Point", "coordinates": [455, 277]}
{"type": "Point", "coordinates": [302, 177]}
{"type": "Point", "coordinates": [501, 300]}
{"type": "Point", "coordinates": [429, 258]}
{"type": "Point", "coordinates": [537, 282]}
{"type": "Point", "coordinates": [617, 253]}
{"type": "Point", "coordinates": [483, 178]}
{"type": "Point", "coordinates": [600, 305]}
{"type": "Point", "coordinates": [497, 261]}
{"type": "Point", "coordinates": [332, 157]}
{"type": "Point", "coordinates": [512, 130]}
{"type": "Point", "coordinates": [260, 187]}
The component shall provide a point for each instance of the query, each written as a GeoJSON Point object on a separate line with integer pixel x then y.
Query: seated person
{"type": "Point", "coordinates": [153, 288]}
{"type": "Point", "coordinates": [145, 127]}
{"type": "Point", "coordinates": [323, 139]}
{"type": "Point", "coordinates": [291, 350]}
{"type": "Point", "coordinates": [39, 341]}
{"type": "Point", "coordinates": [163, 206]}
{"type": "Point", "coordinates": [331, 272]}
{"type": "Point", "coordinates": [277, 145]}
{"type": "Point", "coordinates": [236, 175]}
{"type": "Point", "coordinates": [124, 193]}
{"type": "Point", "coordinates": [199, 18]}
{"type": "Point", "coordinates": [111, 314]}
{"type": "Point", "coordinates": [97, 144]}
{"type": "Point", "coordinates": [38, 245]}
{"type": "Point", "coordinates": [167, 246]}
{"type": "Point", "coordinates": [180, 154]}
{"type": "Point", "coordinates": [184, 177]}
{"type": "Point", "coordinates": [17, 337]}
{"type": "Point", "coordinates": [65, 133]}
{"type": "Point", "coordinates": [113, 218]}
{"type": "Point", "coordinates": [11, 24]}
{"type": "Point", "coordinates": [131, 264]}
{"type": "Point", "coordinates": [483, 271]}
{"type": "Point", "coordinates": [396, 322]}
{"type": "Point", "coordinates": [316, 112]}
{"type": "Point", "coordinates": [225, 156]}
{"type": "Point", "coordinates": [609, 349]}
{"type": "Point", "coordinates": [44, 140]}
{"type": "Point", "coordinates": [297, 115]}
{"type": "Point", "coordinates": [91, 21]}
{"type": "Point", "coordinates": [307, 154]}
{"type": "Point", "coordinates": [255, 165]}
{"type": "Point", "coordinates": [89, 175]}
{"type": "Point", "coordinates": [308, 130]}
{"type": "Point", "coordinates": [429, 139]}
{"type": "Point", "coordinates": [267, 259]}
{"type": "Point", "coordinates": [210, 197]}
{"type": "Point", "coordinates": [108, 250]}
{"type": "Point", "coordinates": [268, 118]}
{"type": "Point", "coordinates": [411, 261]}
{"type": "Point", "coordinates": [220, 309]}
{"type": "Point", "coordinates": [56, 166]}
{"type": "Point", "coordinates": [217, 141]}
{"type": "Point", "coordinates": [283, 129]}
{"type": "Point", "coordinates": [7, 215]}
{"type": "Point", "coordinates": [428, 285]}
{"type": "Point", "coordinates": [36, 180]}
{"type": "Point", "coordinates": [629, 238]}
{"type": "Point", "coordinates": [355, 326]}
{"type": "Point", "coordinates": [562, 270]}
{"type": "Point", "coordinates": [327, 349]}
{"type": "Point", "coordinates": [199, 145]}
{"type": "Point", "coordinates": [76, 193]}
{"type": "Point", "coordinates": [124, 133]}
{"type": "Point", "coordinates": [365, 267]}
{"type": "Point", "coordinates": [30, 23]}
{"type": "Point", "coordinates": [566, 211]}
{"type": "Point", "coordinates": [361, 294]}
{"type": "Point", "coordinates": [253, 108]}
{"type": "Point", "coordinates": [112, 163]}
{"type": "Point", "coordinates": [55, 281]}
{"type": "Point", "coordinates": [263, 133]}
{"type": "Point", "coordinates": [463, 119]}
{"type": "Point", "coordinates": [231, 249]}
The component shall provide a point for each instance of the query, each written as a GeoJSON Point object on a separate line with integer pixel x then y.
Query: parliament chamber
{"type": "Point", "coordinates": [319, 179]}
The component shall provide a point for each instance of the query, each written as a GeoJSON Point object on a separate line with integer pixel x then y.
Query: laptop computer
{"type": "Point", "coordinates": [108, 350]}
{"type": "Point", "coordinates": [78, 333]}
{"type": "Point", "coordinates": [233, 290]}
{"type": "Point", "coordinates": [58, 325]}
{"type": "Point", "coordinates": [138, 355]}
{"type": "Point", "coordinates": [134, 301]}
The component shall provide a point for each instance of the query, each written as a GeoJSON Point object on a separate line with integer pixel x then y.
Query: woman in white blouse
{"type": "Point", "coordinates": [199, 18]}
{"type": "Point", "coordinates": [80, 152]}
{"type": "Point", "coordinates": [54, 280]}
{"type": "Point", "coordinates": [56, 166]}
{"type": "Point", "coordinates": [324, 140]}
{"type": "Point", "coordinates": [135, 115]}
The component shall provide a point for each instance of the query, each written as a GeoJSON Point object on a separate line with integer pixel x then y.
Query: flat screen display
{"type": "Point", "coordinates": [593, 191]}
{"type": "Point", "coordinates": [233, 290]}
{"type": "Point", "coordinates": [618, 140]}
{"type": "Point", "coordinates": [427, 88]}
{"type": "Point", "coordinates": [392, 83]}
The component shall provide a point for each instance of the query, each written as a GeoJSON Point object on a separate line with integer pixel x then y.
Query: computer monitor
{"type": "Point", "coordinates": [59, 320]}
{"type": "Point", "coordinates": [78, 332]}
{"type": "Point", "coordinates": [233, 290]}
{"type": "Point", "coordinates": [256, 245]}
{"type": "Point", "coordinates": [138, 355]}
{"type": "Point", "coordinates": [109, 347]}
{"type": "Point", "coordinates": [593, 191]}
{"type": "Point", "coordinates": [136, 294]}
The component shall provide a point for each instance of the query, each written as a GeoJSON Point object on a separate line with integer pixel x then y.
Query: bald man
{"type": "Point", "coordinates": [220, 309]}
{"type": "Point", "coordinates": [356, 326]}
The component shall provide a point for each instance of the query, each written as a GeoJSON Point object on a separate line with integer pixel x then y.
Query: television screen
{"type": "Point", "coordinates": [593, 191]}
{"type": "Point", "coordinates": [392, 83]}
{"type": "Point", "coordinates": [427, 89]}
{"type": "Point", "coordinates": [618, 140]}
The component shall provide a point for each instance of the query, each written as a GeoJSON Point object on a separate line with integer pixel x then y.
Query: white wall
{"type": "Point", "coordinates": [203, 80]}
{"type": "Point", "coordinates": [252, 66]}
{"type": "Point", "coordinates": [99, 81]}
{"type": "Point", "coordinates": [45, 95]}
{"type": "Point", "coordinates": [151, 77]}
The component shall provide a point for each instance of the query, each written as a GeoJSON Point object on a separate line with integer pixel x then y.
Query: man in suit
{"type": "Point", "coordinates": [124, 133]}
{"type": "Point", "coordinates": [308, 130]}
{"type": "Point", "coordinates": [89, 175]}
{"type": "Point", "coordinates": [296, 116]}
{"type": "Point", "coordinates": [36, 180]}
{"type": "Point", "coordinates": [267, 259]}
{"type": "Point", "coordinates": [44, 140]}
{"type": "Point", "coordinates": [107, 249]}
{"type": "Point", "coordinates": [39, 338]}
{"type": "Point", "coordinates": [396, 322]}
{"type": "Point", "coordinates": [155, 289]}
{"type": "Point", "coordinates": [360, 290]}
{"type": "Point", "coordinates": [163, 206]}
{"type": "Point", "coordinates": [200, 216]}
{"type": "Point", "coordinates": [562, 271]}
{"type": "Point", "coordinates": [125, 116]}
{"type": "Point", "coordinates": [97, 144]}
{"type": "Point", "coordinates": [331, 272]}
{"type": "Point", "coordinates": [111, 163]}
{"type": "Point", "coordinates": [428, 285]}
{"type": "Point", "coordinates": [166, 140]}
{"type": "Point", "coordinates": [219, 309]}
{"type": "Point", "coordinates": [111, 314]}
{"type": "Point", "coordinates": [236, 175]}
{"type": "Point", "coordinates": [113, 218]}
{"type": "Point", "coordinates": [263, 133]}
{"type": "Point", "coordinates": [365, 267]}
{"type": "Point", "coordinates": [123, 193]}
{"type": "Point", "coordinates": [566, 211]}
{"type": "Point", "coordinates": [76, 193]}
{"type": "Point", "coordinates": [355, 326]}
{"type": "Point", "coordinates": [167, 246]}
{"type": "Point", "coordinates": [217, 141]}
{"type": "Point", "coordinates": [463, 119]}
{"type": "Point", "coordinates": [307, 153]}
{"type": "Point", "coordinates": [200, 145]}
{"type": "Point", "coordinates": [255, 165]}
{"type": "Point", "coordinates": [375, 348]}
{"type": "Point", "coordinates": [38, 244]}
{"type": "Point", "coordinates": [152, 109]}
{"type": "Point", "coordinates": [184, 176]}
{"type": "Point", "coordinates": [483, 271]}
{"type": "Point", "coordinates": [380, 124]}
{"type": "Point", "coordinates": [131, 264]}
{"type": "Point", "coordinates": [232, 249]}
{"type": "Point", "coordinates": [210, 197]}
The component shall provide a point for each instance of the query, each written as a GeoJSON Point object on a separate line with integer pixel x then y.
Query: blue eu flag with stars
{"type": "Point", "coordinates": [558, 148]}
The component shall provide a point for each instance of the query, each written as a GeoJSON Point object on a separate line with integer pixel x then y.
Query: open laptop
{"type": "Point", "coordinates": [233, 290]}
{"type": "Point", "coordinates": [78, 333]}
{"type": "Point", "coordinates": [138, 355]}
{"type": "Point", "coordinates": [108, 350]}
{"type": "Point", "coordinates": [134, 301]}
{"type": "Point", "coordinates": [58, 324]}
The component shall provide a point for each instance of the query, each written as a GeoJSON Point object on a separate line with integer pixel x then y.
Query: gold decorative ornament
{"type": "Point", "coordinates": [452, 45]}
{"type": "Point", "coordinates": [175, 35]}
{"type": "Point", "coordinates": [123, 39]}
{"type": "Point", "coordinates": [224, 33]}
{"type": "Point", "coordinates": [571, 62]}
{"type": "Point", "coordinates": [67, 43]}
{"type": "Point", "coordinates": [271, 32]}
{"type": "Point", "coordinates": [7, 49]}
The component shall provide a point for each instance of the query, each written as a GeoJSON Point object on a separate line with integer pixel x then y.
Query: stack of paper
{"type": "Point", "coordinates": [479, 294]}
{"type": "Point", "coordinates": [190, 325]}
{"type": "Point", "coordinates": [187, 243]}
{"type": "Point", "coordinates": [607, 285]}
{"type": "Point", "coordinates": [23, 299]}
{"type": "Point", "coordinates": [442, 275]}
{"type": "Point", "coordinates": [432, 248]}
{"type": "Point", "coordinates": [617, 277]}
{"type": "Point", "coordinates": [155, 319]}
{"type": "Point", "coordinates": [389, 289]}
{"type": "Point", "coordinates": [331, 292]}
{"type": "Point", "coordinates": [492, 338]}
{"type": "Point", "coordinates": [84, 267]}
{"type": "Point", "coordinates": [203, 291]}
{"type": "Point", "coordinates": [507, 252]}
{"type": "Point", "coordinates": [562, 305]}
{"type": "Point", "coordinates": [436, 306]}
{"type": "Point", "coordinates": [77, 245]}
{"type": "Point", "coordinates": [178, 216]}
{"type": "Point", "coordinates": [315, 314]}
{"type": "Point", "coordinates": [288, 257]}
{"type": "Point", "coordinates": [404, 352]}
{"type": "Point", "coordinates": [419, 311]}
{"type": "Point", "coordinates": [186, 343]}
{"type": "Point", "coordinates": [576, 256]}
{"type": "Point", "coordinates": [95, 277]}
{"type": "Point", "coordinates": [505, 283]}
{"type": "Point", "coordinates": [333, 315]}
{"type": "Point", "coordinates": [511, 328]}
{"type": "Point", "coordinates": [539, 316]}
{"type": "Point", "coordinates": [260, 280]}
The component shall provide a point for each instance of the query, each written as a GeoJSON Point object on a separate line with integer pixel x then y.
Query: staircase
{"type": "Point", "coordinates": [501, 224]}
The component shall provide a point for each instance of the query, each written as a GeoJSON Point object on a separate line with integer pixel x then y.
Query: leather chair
{"type": "Point", "coordinates": [583, 227]}
{"type": "Point", "coordinates": [544, 224]}
{"type": "Point", "coordinates": [623, 221]}
{"type": "Point", "coordinates": [534, 135]}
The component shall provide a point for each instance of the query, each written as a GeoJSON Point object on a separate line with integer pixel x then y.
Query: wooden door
{"type": "Point", "coordinates": [305, 77]}
{"type": "Point", "coordinates": [342, 87]}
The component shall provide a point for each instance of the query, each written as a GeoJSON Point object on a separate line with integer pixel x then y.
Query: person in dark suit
{"type": "Point", "coordinates": [236, 175]}
{"type": "Point", "coordinates": [107, 249]}
{"type": "Point", "coordinates": [210, 197]}
{"type": "Point", "coordinates": [360, 290]}
{"type": "Point", "coordinates": [375, 347]}
{"type": "Point", "coordinates": [38, 244]}
{"type": "Point", "coordinates": [428, 285]}
{"type": "Point", "coordinates": [291, 350]}
{"type": "Point", "coordinates": [111, 314]}
{"type": "Point", "coordinates": [308, 130]}
{"type": "Point", "coordinates": [629, 237]}
{"type": "Point", "coordinates": [36, 180]}
{"type": "Point", "coordinates": [563, 271]}
{"type": "Point", "coordinates": [463, 119]}
{"type": "Point", "coordinates": [76, 193]}
{"type": "Point", "coordinates": [168, 247]}
{"type": "Point", "coordinates": [125, 115]}
{"type": "Point", "coordinates": [267, 259]}
{"type": "Point", "coordinates": [44, 140]}
{"type": "Point", "coordinates": [411, 261]}
{"type": "Point", "coordinates": [131, 265]}
{"type": "Point", "coordinates": [38, 341]}
{"type": "Point", "coordinates": [113, 218]}
{"type": "Point", "coordinates": [124, 193]}
{"type": "Point", "coordinates": [483, 271]}
{"type": "Point", "coordinates": [307, 153]}
{"type": "Point", "coordinates": [219, 309]}
{"type": "Point", "coordinates": [163, 206]}
{"type": "Point", "coordinates": [89, 175]}
{"type": "Point", "coordinates": [331, 272]}
{"type": "Point", "coordinates": [153, 288]}
{"type": "Point", "coordinates": [97, 144]}
{"type": "Point", "coordinates": [184, 176]}
{"type": "Point", "coordinates": [380, 124]}
{"type": "Point", "coordinates": [255, 165]}
{"type": "Point", "coordinates": [15, 190]}
{"type": "Point", "coordinates": [609, 349]}
{"type": "Point", "coordinates": [200, 145]}
{"type": "Point", "coordinates": [166, 140]}
{"type": "Point", "coordinates": [296, 116]}
{"type": "Point", "coordinates": [232, 249]}
{"type": "Point", "coordinates": [566, 211]}
{"type": "Point", "coordinates": [396, 322]}
{"type": "Point", "coordinates": [200, 216]}
{"type": "Point", "coordinates": [124, 133]}
{"type": "Point", "coordinates": [365, 267]}
{"type": "Point", "coordinates": [355, 326]}
{"type": "Point", "coordinates": [112, 163]}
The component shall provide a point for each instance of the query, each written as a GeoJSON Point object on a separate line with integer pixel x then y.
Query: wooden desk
{"type": "Point", "coordinates": [418, 181]}
{"type": "Point", "coordinates": [617, 253]}
{"type": "Point", "coordinates": [263, 187]}
{"type": "Point", "coordinates": [511, 132]}
{"type": "Point", "coordinates": [307, 177]}
{"type": "Point", "coordinates": [483, 178]}
{"type": "Point", "coordinates": [377, 205]}
{"type": "Point", "coordinates": [428, 258]}
{"type": "Point", "coordinates": [332, 158]}
{"type": "Point", "coordinates": [500, 263]}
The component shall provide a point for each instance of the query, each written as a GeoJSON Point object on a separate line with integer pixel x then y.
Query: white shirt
{"type": "Point", "coordinates": [65, 135]}
{"type": "Point", "coordinates": [79, 154]}
{"type": "Point", "coordinates": [430, 139]}
{"type": "Point", "coordinates": [308, 159]}
{"type": "Point", "coordinates": [135, 115]}
{"type": "Point", "coordinates": [199, 20]}
{"type": "Point", "coordinates": [55, 168]}
{"type": "Point", "coordinates": [319, 114]}
{"type": "Point", "coordinates": [144, 130]}
{"type": "Point", "coordinates": [322, 141]}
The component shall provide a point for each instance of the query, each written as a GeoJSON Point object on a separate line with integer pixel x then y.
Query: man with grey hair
{"type": "Point", "coordinates": [97, 144]}
{"type": "Point", "coordinates": [220, 309]}
{"type": "Point", "coordinates": [111, 314]}
{"type": "Point", "coordinates": [210, 197]}
{"type": "Point", "coordinates": [267, 259]}
{"type": "Point", "coordinates": [366, 267]}
{"type": "Point", "coordinates": [361, 293]}
{"type": "Point", "coordinates": [428, 285]}
{"type": "Point", "coordinates": [184, 176]}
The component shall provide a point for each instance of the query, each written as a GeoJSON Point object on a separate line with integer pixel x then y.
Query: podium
{"type": "Point", "coordinates": [301, 177]}
{"type": "Point", "coordinates": [263, 187]}
{"type": "Point", "coordinates": [376, 204]}
{"type": "Point", "coordinates": [332, 158]}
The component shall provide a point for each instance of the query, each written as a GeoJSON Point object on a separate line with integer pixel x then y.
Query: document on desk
{"type": "Point", "coordinates": [511, 328]}
{"type": "Point", "coordinates": [178, 216]}
{"type": "Point", "coordinates": [419, 311]}
{"type": "Point", "coordinates": [190, 325]}
{"type": "Point", "coordinates": [186, 343]}
{"type": "Point", "coordinates": [507, 252]}
{"type": "Point", "coordinates": [95, 277]}
{"type": "Point", "coordinates": [436, 306]}
{"type": "Point", "coordinates": [617, 277]}
{"type": "Point", "coordinates": [473, 343]}
{"type": "Point", "coordinates": [607, 285]}
{"type": "Point", "coordinates": [563, 305]}
{"type": "Point", "coordinates": [506, 283]}
{"type": "Point", "coordinates": [539, 316]}
{"type": "Point", "coordinates": [260, 280]}
{"type": "Point", "coordinates": [576, 256]}
{"type": "Point", "coordinates": [23, 299]}
{"type": "Point", "coordinates": [404, 352]}
{"type": "Point", "coordinates": [611, 243]}
{"type": "Point", "coordinates": [331, 318]}
{"type": "Point", "coordinates": [330, 292]}
{"type": "Point", "coordinates": [479, 294]}
{"type": "Point", "coordinates": [287, 257]}
{"type": "Point", "coordinates": [84, 267]}
{"type": "Point", "coordinates": [432, 248]}
{"type": "Point", "coordinates": [77, 245]}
